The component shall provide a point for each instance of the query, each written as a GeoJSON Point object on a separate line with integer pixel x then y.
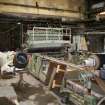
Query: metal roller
{"type": "Point", "coordinates": [96, 60]}
{"type": "Point", "coordinates": [92, 61]}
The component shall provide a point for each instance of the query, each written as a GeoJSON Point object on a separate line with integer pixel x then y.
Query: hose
{"type": "Point", "coordinates": [103, 99]}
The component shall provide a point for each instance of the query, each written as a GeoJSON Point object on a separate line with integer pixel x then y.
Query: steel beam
{"type": "Point", "coordinates": [19, 9]}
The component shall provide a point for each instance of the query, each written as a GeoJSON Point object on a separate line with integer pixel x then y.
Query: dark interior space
{"type": "Point", "coordinates": [95, 43]}
{"type": "Point", "coordinates": [10, 33]}
{"type": "Point", "coordinates": [93, 7]}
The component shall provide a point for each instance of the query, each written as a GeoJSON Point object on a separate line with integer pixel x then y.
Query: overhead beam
{"type": "Point", "coordinates": [20, 9]}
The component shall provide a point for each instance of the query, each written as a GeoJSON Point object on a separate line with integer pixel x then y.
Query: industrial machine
{"type": "Point", "coordinates": [85, 76]}
{"type": "Point", "coordinates": [85, 82]}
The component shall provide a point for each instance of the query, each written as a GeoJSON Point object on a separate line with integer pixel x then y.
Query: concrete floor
{"type": "Point", "coordinates": [32, 93]}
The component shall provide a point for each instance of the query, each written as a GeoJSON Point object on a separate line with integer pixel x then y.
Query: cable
{"type": "Point", "coordinates": [103, 99]}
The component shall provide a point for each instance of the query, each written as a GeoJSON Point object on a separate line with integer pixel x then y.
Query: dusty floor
{"type": "Point", "coordinates": [32, 93]}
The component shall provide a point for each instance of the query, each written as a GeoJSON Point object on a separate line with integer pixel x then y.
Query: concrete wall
{"type": "Point", "coordinates": [64, 5]}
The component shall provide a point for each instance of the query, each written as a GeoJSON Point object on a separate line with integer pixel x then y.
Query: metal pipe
{"type": "Point", "coordinates": [94, 32]}
{"type": "Point", "coordinates": [45, 49]}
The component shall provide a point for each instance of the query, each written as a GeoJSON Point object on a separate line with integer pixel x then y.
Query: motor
{"type": "Point", "coordinates": [20, 60]}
